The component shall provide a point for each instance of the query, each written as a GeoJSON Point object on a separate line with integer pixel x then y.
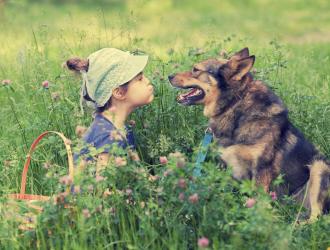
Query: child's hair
{"type": "Point", "coordinates": [77, 64]}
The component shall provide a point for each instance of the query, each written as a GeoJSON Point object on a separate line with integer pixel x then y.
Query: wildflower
{"type": "Point", "coordinates": [153, 178]}
{"type": "Point", "coordinates": [86, 213]}
{"type": "Point", "coordinates": [203, 242]}
{"type": "Point", "coordinates": [176, 155]}
{"type": "Point", "coordinates": [159, 190]}
{"type": "Point", "coordinates": [120, 162]}
{"type": "Point", "coordinates": [180, 160]}
{"type": "Point", "coordinates": [273, 195]}
{"type": "Point", "coordinates": [66, 180]}
{"type": "Point", "coordinates": [99, 178]}
{"type": "Point", "coordinates": [193, 198]}
{"type": "Point", "coordinates": [45, 84]}
{"type": "Point", "coordinates": [140, 171]}
{"type": "Point", "coordinates": [142, 204]}
{"type": "Point", "coordinates": [181, 196]}
{"type": "Point", "coordinates": [181, 163]}
{"type": "Point", "coordinates": [182, 183]}
{"type": "Point", "coordinates": [76, 189]}
{"type": "Point", "coordinates": [168, 172]}
{"type": "Point", "coordinates": [46, 165]}
{"type": "Point", "coordinates": [60, 198]}
{"type": "Point", "coordinates": [163, 160]}
{"type": "Point", "coordinates": [128, 191]}
{"type": "Point", "coordinates": [107, 193]}
{"type": "Point", "coordinates": [90, 188]}
{"type": "Point", "coordinates": [133, 155]}
{"type": "Point", "coordinates": [80, 130]}
{"type": "Point", "coordinates": [250, 202]}
{"type": "Point", "coordinates": [6, 82]}
{"type": "Point", "coordinates": [55, 96]}
{"type": "Point", "coordinates": [132, 123]}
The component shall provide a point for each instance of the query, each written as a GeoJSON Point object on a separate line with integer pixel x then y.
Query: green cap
{"type": "Point", "coordinates": [108, 69]}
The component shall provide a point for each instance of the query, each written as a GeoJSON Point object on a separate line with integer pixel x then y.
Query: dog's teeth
{"type": "Point", "coordinates": [180, 97]}
{"type": "Point", "coordinates": [191, 93]}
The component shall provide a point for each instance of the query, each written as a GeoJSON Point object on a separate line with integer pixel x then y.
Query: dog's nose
{"type": "Point", "coordinates": [170, 77]}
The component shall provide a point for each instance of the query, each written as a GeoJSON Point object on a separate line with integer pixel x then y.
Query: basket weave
{"type": "Point", "coordinates": [32, 201]}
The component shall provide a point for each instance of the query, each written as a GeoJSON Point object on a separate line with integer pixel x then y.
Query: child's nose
{"type": "Point", "coordinates": [148, 81]}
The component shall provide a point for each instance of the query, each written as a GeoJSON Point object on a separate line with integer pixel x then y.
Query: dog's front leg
{"type": "Point", "coordinates": [318, 188]}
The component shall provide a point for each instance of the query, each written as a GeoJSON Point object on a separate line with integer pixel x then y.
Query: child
{"type": "Point", "coordinates": [114, 81]}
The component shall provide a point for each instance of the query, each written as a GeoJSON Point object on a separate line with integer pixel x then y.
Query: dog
{"type": "Point", "coordinates": [250, 126]}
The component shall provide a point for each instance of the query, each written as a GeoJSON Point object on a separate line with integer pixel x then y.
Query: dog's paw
{"type": "Point", "coordinates": [308, 221]}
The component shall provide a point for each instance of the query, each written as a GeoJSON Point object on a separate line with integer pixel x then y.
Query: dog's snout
{"type": "Point", "coordinates": [170, 77]}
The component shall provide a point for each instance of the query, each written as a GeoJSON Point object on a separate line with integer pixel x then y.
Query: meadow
{"type": "Point", "coordinates": [126, 209]}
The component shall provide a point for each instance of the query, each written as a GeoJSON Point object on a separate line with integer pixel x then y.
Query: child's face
{"type": "Point", "coordinates": [140, 91]}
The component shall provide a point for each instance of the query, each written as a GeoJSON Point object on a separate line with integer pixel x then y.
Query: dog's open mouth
{"type": "Point", "coordinates": [190, 97]}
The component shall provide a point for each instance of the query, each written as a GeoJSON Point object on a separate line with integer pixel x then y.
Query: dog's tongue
{"type": "Point", "coordinates": [187, 94]}
{"type": "Point", "coordinates": [190, 93]}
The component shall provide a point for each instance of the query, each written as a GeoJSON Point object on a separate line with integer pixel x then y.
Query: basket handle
{"type": "Point", "coordinates": [33, 146]}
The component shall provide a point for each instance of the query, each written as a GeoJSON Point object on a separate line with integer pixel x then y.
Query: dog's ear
{"type": "Point", "coordinates": [240, 68]}
{"type": "Point", "coordinates": [241, 54]}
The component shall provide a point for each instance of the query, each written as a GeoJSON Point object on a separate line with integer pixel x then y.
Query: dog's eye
{"type": "Point", "coordinates": [194, 70]}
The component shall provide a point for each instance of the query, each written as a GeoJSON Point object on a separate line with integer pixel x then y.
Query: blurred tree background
{"type": "Point", "coordinates": [160, 25]}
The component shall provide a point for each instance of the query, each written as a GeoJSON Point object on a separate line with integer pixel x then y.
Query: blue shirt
{"type": "Point", "coordinates": [101, 134]}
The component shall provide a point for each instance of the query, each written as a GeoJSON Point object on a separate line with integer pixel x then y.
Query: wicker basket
{"type": "Point", "coordinates": [33, 201]}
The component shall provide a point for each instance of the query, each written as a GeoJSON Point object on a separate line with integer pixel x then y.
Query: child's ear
{"type": "Point", "coordinates": [119, 93]}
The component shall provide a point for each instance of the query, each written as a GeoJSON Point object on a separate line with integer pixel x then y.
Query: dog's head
{"type": "Point", "coordinates": [212, 79]}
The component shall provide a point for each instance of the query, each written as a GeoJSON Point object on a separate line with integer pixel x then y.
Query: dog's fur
{"type": "Point", "coordinates": [250, 124]}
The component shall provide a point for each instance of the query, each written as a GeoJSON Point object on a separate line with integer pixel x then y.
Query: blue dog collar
{"type": "Point", "coordinates": [202, 152]}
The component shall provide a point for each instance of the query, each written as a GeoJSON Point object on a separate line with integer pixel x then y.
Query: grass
{"type": "Point", "coordinates": [291, 42]}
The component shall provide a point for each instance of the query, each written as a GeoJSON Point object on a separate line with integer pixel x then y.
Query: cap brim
{"type": "Point", "coordinates": [136, 65]}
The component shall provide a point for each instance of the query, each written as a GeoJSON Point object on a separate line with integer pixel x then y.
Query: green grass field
{"type": "Point", "coordinates": [291, 41]}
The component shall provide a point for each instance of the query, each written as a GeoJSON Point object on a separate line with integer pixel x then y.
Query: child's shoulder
{"type": "Point", "coordinates": [99, 128]}
{"type": "Point", "coordinates": [100, 122]}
